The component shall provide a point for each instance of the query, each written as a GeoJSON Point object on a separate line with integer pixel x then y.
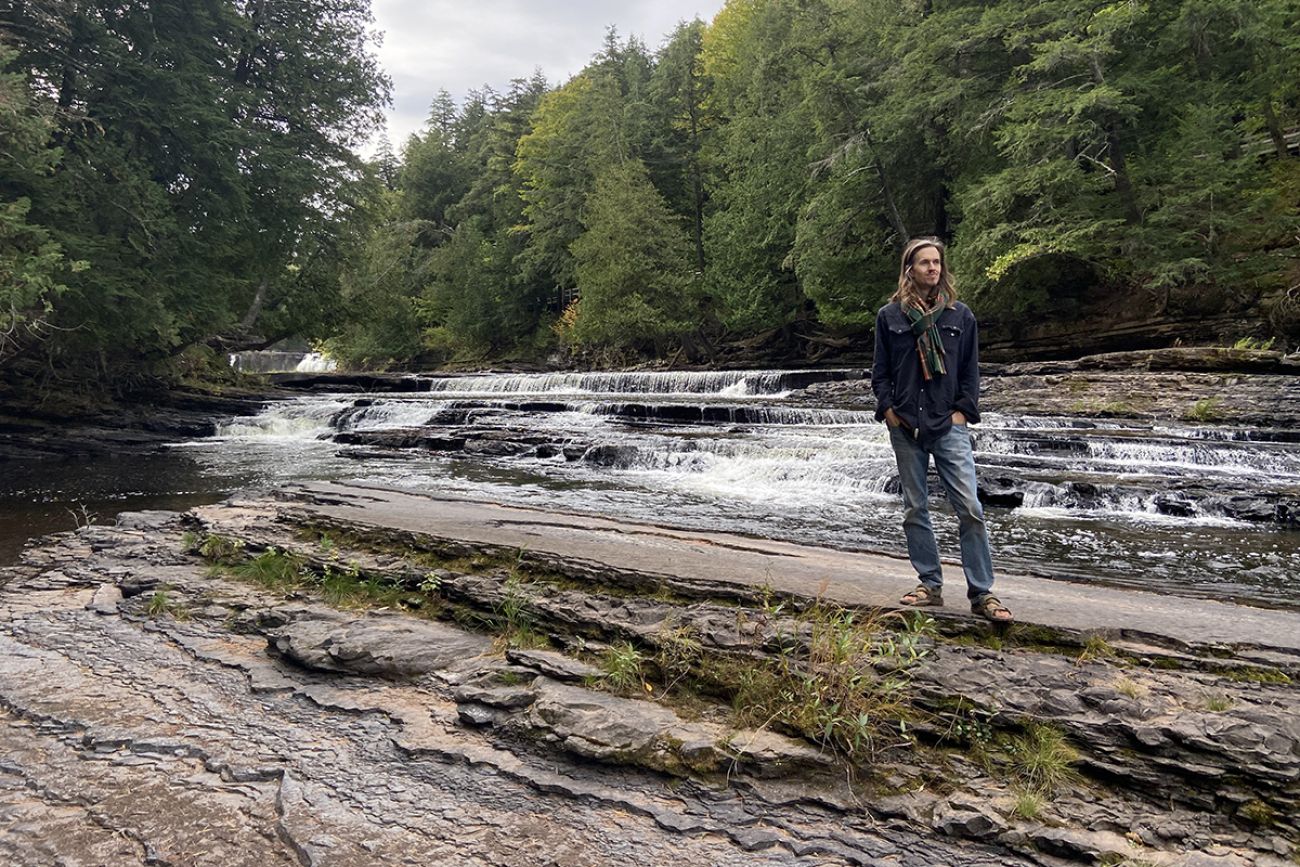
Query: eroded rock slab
{"type": "Point", "coordinates": [391, 646]}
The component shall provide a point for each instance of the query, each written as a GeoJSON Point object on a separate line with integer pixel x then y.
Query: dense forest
{"type": "Point", "coordinates": [183, 177]}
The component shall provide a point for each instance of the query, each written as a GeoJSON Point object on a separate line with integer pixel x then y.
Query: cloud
{"type": "Point", "coordinates": [430, 45]}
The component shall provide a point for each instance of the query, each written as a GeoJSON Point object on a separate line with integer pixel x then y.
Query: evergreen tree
{"type": "Point", "coordinates": [633, 267]}
{"type": "Point", "coordinates": [207, 162]}
{"type": "Point", "coordinates": [759, 164]}
{"type": "Point", "coordinates": [32, 264]}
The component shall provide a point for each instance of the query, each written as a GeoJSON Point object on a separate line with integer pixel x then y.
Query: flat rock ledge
{"type": "Point", "coordinates": [154, 710]}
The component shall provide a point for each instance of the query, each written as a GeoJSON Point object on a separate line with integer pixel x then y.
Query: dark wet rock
{"type": "Point", "coordinates": [497, 448]}
{"type": "Point", "coordinates": [449, 416]}
{"type": "Point", "coordinates": [1175, 505]}
{"type": "Point", "coordinates": [375, 645]}
{"type": "Point", "coordinates": [1001, 491]}
{"type": "Point", "coordinates": [613, 456]}
{"type": "Point", "coordinates": [136, 585]}
{"type": "Point", "coordinates": [145, 422]}
{"type": "Point", "coordinates": [337, 381]}
{"type": "Point", "coordinates": [402, 438]}
{"type": "Point", "coordinates": [1255, 509]}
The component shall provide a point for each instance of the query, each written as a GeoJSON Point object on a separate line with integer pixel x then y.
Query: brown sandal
{"type": "Point", "coordinates": [922, 597]}
{"type": "Point", "coordinates": [991, 608]}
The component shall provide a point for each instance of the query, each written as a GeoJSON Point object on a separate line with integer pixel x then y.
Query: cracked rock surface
{"type": "Point", "coordinates": [135, 738]}
{"type": "Point", "coordinates": [153, 711]}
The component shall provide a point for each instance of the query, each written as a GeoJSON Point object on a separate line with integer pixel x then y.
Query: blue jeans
{"type": "Point", "coordinates": [955, 461]}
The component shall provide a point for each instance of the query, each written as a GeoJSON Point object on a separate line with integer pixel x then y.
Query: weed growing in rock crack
{"type": "Point", "coordinates": [1125, 685]}
{"type": "Point", "coordinates": [677, 654]}
{"type": "Point", "coordinates": [622, 664]}
{"type": "Point", "coordinates": [970, 726]}
{"type": "Point", "coordinates": [1254, 343]}
{"type": "Point", "coordinates": [515, 614]}
{"type": "Point", "coordinates": [347, 586]}
{"type": "Point", "coordinates": [82, 517]}
{"type": "Point", "coordinates": [1028, 805]}
{"type": "Point", "coordinates": [1218, 702]}
{"type": "Point", "coordinates": [1205, 409]}
{"type": "Point", "coordinates": [1257, 813]}
{"type": "Point", "coordinates": [273, 569]}
{"type": "Point", "coordinates": [1251, 674]}
{"type": "Point", "coordinates": [1097, 647]}
{"type": "Point", "coordinates": [161, 603]}
{"type": "Point", "coordinates": [222, 550]}
{"type": "Point", "coordinates": [842, 681]}
{"type": "Point", "coordinates": [1042, 760]}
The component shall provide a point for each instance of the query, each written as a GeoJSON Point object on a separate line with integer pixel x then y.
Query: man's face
{"type": "Point", "coordinates": [927, 267]}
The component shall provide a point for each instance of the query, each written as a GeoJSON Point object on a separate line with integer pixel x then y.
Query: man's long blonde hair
{"type": "Point", "coordinates": [911, 295]}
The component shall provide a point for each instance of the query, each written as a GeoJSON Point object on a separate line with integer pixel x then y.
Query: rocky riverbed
{"type": "Point", "coordinates": [256, 683]}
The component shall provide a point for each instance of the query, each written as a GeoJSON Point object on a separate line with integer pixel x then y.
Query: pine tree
{"type": "Point", "coordinates": [633, 266]}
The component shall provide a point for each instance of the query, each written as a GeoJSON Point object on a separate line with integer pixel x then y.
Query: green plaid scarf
{"type": "Point", "coordinates": [929, 345]}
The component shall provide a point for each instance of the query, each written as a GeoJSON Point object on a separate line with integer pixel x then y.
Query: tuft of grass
{"type": "Point", "coordinates": [1126, 685]}
{"type": "Point", "coordinates": [1042, 760]}
{"type": "Point", "coordinates": [273, 569]}
{"type": "Point", "coordinates": [677, 654]}
{"type": "Point", "coordinates": [1028, 805]}
{"type": "Point", "coordinates": [842, 680]}
{"type": "Point", "coordinates": [161, 603]}
{"type": "Point", "coordinates": [1254, 343]}
{"type": "Point", "coordinates": [622, 664]}
{"type": "Point", "coordinates": [222, 550]}
{"type": "Point", "coordinates": [1097, 647]}
{"type": "Point", "coordinates": [1254, 674]}
{"type": "Point", "coordinates": [1204, 410]}
{"type": "Point", "coordinates": [515, 615]}
{"type": "Point", "coordinates": [1257, 813]}
{"type": "Point", "coordinates": [1217, 702]}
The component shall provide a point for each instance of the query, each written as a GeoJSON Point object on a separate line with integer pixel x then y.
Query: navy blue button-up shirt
{"type": "Point", "coordinates": [926, 408]}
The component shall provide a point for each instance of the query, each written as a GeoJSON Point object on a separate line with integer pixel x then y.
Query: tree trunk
{"type": "Point", "coordinates": [891, 208]}
{"type": "Point", "coordinates": [1118, 165]}
{"type": "Point", "coordinates": [1275, 130]}
{"type": "Point", "coordinates": [697, 180]}
{"type": "Point", "coordinates": [255, 309]}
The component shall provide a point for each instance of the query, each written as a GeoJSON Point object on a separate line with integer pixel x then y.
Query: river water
{"type": "Point", "coordinates": [1129, 504]}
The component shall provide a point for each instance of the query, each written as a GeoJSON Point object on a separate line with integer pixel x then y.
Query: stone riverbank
{"type": "Point", "coordinates": [307, 679]}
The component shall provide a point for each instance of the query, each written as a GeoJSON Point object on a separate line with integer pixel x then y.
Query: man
{"type": "Point", "coordinates": [926, 380]}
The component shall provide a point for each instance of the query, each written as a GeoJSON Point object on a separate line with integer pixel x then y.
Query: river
{"type": "Point", "coordinates": [1125, 503]}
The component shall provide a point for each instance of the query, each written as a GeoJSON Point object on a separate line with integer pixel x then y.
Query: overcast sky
{"type": "Point", "coordinates": [463, 44]}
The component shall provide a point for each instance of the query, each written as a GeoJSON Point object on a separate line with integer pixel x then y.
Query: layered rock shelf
{"type": "Point", "coordinates": [345, 676]}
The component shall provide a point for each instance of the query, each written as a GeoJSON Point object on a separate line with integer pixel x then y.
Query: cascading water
{"type": "Point", "coordinates": [738, 451]}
